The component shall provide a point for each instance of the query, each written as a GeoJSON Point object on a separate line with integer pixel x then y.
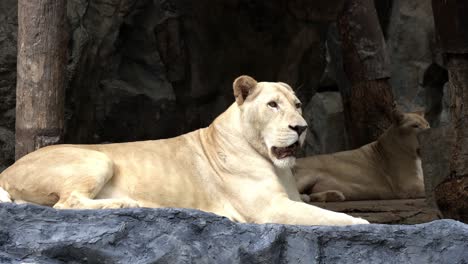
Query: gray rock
{"type": "Point", "coordinates": [324, 115]}
{"type": "Point", "coordinates": [435, 85]}
{"type": "Point", "coordinates": [410, 44]}
{"type": "Point", "coordinates": [445, 118]}
{"type": "Point", "coordinates": [435, 154]}
{"type": "Point", "coordinates": [155, 69]}
{"type": "Point", "coordinates": [33, 234]}
{"type": "Point", "coordinates": [125, 114]}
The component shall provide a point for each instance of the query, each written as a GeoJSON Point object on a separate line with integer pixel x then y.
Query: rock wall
{"type": "Point", "coordinates": [151, 69]}
{"type": "Point", "coordinates": [417, 73]}
{"type": "Point", "coordinates": [32, 234]}
{"type": "Point", "coordinates": [155, 69]}
{"type": "Point", "coordinates": [326, 133]}
{"type": "Point", "coordinates": [412, 47]}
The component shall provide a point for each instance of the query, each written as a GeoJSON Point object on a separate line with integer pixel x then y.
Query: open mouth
{"type": "Point", "coordinates": [284, 152]}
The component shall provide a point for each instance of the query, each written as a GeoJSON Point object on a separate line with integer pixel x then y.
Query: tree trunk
{"type": "Point", "coordinates": [451, 195]}
{"type": "Point", "coordinates": [42, 55]}
{"type": "Point", "coordinates": [369, 102]}
{"type": "Point", "coordinates": [451, 22]}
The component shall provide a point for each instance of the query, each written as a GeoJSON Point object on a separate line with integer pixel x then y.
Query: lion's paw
{"type": "Point", "coordinates": [344, 219]}
{"type": "Point", "coordinates": [360, 221]}
{"type": "Point", "coordinates": [121, 203]}
{"type": "Point", "coordinates": [305, 198]}
{"type": "Point", "coordinates": [334, 196]}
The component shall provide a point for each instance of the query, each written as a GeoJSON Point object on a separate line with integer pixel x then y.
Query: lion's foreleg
{"type": "Point", "coordinates": [299, 213]}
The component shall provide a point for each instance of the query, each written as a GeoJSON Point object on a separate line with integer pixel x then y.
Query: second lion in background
{"type": "Point", "coordinates": [388, 168]}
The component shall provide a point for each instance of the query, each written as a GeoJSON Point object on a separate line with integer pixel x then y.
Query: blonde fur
{"type": "Point", "coordinates": [4, 196]}
{"type": "Point", "coordinates": [227, 168]}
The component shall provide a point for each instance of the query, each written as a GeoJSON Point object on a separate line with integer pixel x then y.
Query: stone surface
{"type": "Point", "coordinates": [155, 69]}
{"type": "Point", "coordinates": [32, 234]}
{"type": "Point", "coordinates": [402, 211]}
{"type": "Point", "coordinates": [417, 79]}
{"type": "Point", "coordinates": [435, 85]}
{"type": "Point", "coordinates": [435, 157]}
{"type": "Point", "coordinates": [176, 60]}
{"type": "Point", "coordinates": [444, 118]}
{"type": "Point", "coordinates": [410, 42]}
{"type": "Point", "coordinates": [326, 133]}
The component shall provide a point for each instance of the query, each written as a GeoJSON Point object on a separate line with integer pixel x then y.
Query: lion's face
{"type": "Point", "coordinates": [408, 126]}
{"type": "Point", "coordinates": [410, 123]}
{"type": "Point", "coordinates": [271, 118]}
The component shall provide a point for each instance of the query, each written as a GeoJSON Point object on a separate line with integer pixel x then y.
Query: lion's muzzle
{"type": "Point", "coordinates": [284, 152]}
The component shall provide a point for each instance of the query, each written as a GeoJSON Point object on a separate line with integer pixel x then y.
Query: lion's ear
{"type": "Point", "coordinates": [243, 86]}
{"type": "Point", "coordinates": [397, 116]}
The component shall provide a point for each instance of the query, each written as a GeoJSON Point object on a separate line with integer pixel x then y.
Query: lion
{"type": "Point", "coordinates": [388, 168]}
{"type": "Point", "coordinates": [238, 167]}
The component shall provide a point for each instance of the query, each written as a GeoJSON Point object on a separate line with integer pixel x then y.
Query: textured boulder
{"type": "Point", "coordinates": [410, 43]}
{"type": "Point", "coordinates": [32, 234]}
{"type": "Point", "coordinates": [326, 133]}
{"type": "Point", "coordinates": [435, 157]}
{"type": "Point", "coordinates": [155, 69]}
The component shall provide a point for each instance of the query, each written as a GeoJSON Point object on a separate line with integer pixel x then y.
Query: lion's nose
{"type": "Point", "coordinates": [298, 129]}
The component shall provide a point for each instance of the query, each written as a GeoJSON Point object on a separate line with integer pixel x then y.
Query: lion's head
{"type": "Point", "coordinates": [408, 126]}
{"type": "Point", "coordinates": [271, 117]}
{"type": "Point", "coordinates": [409, 123]}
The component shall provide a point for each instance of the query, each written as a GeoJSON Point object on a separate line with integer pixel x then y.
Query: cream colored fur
{"type": "Point", "coordinates": [389, 168]}
{"type": "Point", "coordinates": [4, 196]}
{"type": "Point", "coordinates": [228, 168]}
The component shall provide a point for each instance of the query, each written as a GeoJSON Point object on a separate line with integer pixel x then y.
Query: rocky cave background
{"type": "Point", "coordinates": [151, 69]}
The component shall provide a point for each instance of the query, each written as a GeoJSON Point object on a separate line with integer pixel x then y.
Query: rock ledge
{"type": "Point", "coordinates": [35, 234]}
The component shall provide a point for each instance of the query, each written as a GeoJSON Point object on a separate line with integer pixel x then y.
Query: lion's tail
{"type": "Point", "coordinates": [4, 196]}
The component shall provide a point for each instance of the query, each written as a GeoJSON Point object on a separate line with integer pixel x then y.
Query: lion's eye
{"type": "Point", "coordinates": [415, 126]}
{"type": "Point", "coordinates": [298, 105]}
{"type": "Point", "coordinates": [273, 104]}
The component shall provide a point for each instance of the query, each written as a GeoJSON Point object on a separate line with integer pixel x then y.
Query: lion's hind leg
{"type": "Point", "coordinates": [80, 189]}
{"type": "Point", "coordinates": [79, 200]}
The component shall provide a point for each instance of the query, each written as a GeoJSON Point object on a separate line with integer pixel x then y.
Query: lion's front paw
{"type": "Point", "coordinates": [345, 219]}
{"type": "Point", "coordinates": [360, 221]}
{"type": "Point", "coordinates": [121, 203]}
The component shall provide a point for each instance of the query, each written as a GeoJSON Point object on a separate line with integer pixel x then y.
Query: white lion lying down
{"type": "Point", "coordinates": [238, 167]}
{"type": "Point", "coordinates": [389, 168]}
